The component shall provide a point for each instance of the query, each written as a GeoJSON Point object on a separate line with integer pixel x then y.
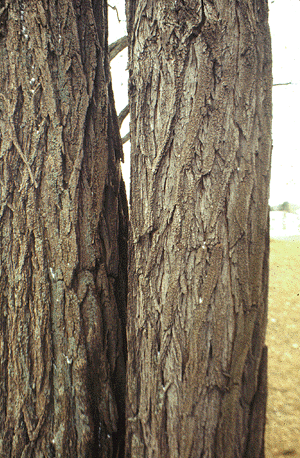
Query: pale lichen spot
{"type": "Point", "coordinates": [52, 273]}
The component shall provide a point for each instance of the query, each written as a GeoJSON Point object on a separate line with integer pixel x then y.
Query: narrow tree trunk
{"type": "Point", "coordinates": [200, 98]}
{"type": "Point", "coordinates": [63, 235]}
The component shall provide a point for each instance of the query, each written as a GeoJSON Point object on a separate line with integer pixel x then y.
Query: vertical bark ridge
{"type": "Point", "coordinates": [63, 224]}
{"type": "Point", "coordinates": [200, 103]}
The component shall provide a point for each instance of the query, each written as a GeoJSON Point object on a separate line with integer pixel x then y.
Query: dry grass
{"type": "Point", "coordinates": [283, 340]}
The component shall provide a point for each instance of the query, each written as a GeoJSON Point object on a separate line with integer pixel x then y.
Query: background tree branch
{"type": "Point", "coordinates": [123, 115]}
{"type": "Point", "coordinates": [117, 46]}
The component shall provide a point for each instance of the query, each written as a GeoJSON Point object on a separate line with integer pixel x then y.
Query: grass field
{"type": "Point", "coordinates": [283, 340]}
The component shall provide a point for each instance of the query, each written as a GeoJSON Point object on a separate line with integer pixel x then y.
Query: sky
{"type": "Point", "coordinates": [284, 16]}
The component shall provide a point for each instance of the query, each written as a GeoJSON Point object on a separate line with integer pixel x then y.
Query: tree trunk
{"type": "Point", "coordinates": [200, 102]}
{"type": "Point", "coordinates": [63, 235]}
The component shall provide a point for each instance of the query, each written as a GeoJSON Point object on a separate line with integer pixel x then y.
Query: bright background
{"type": "Point", "coordinates": [285, 31]}
{"type": "Point", "coordinates": [284, 18]}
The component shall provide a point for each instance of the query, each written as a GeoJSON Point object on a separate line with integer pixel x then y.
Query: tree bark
{"type": "Point", "coordinates": [63, 235]}
{"type": "Point", "coordinates": [200, 103]}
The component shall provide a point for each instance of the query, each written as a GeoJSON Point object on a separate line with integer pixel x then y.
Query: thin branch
{"type": "Point", "coordinates": [116, 10]}
{"type": "Point", "coordinates": [123, 115]}
{"type": "Point", "coordinates": [282, 84]}
{"type": "Point", "coordinates": [126, 138]}
{"type": "Point", "coordinates": [117, 46]}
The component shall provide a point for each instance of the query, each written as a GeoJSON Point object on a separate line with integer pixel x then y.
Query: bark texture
{"type": "Point", "coordinates": [200, 103]}
{"type": "Point", "coordinates": [63, 234]}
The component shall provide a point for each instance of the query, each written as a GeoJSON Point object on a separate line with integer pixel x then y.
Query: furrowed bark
{"type": "Point", "coordinates": [63, 235]}
{"type": "Point", "coordinates": [200, 103]}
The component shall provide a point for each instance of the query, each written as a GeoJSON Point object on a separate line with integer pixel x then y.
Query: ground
{"type": "Point", "coordinates": [283, 340]}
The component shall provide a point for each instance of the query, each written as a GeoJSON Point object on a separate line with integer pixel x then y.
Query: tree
{"type": "Point", "coordinates": [200, 102]}
{"type": "Point", "coordinates": [63, 235]}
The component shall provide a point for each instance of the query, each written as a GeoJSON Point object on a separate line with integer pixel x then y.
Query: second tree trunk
{"type": "Point", "coordinates": [200, 100]}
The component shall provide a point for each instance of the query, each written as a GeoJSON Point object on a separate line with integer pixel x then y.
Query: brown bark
{"type": "Point", "coordinates": [200, 103]}
{"type": "Point", "coordinates": [63, 234]}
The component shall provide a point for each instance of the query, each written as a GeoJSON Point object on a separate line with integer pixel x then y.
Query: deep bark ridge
{"type": "Point", "coordinates": [200, 102]}
{"type": "Point", "coordinates": [63, 235]}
